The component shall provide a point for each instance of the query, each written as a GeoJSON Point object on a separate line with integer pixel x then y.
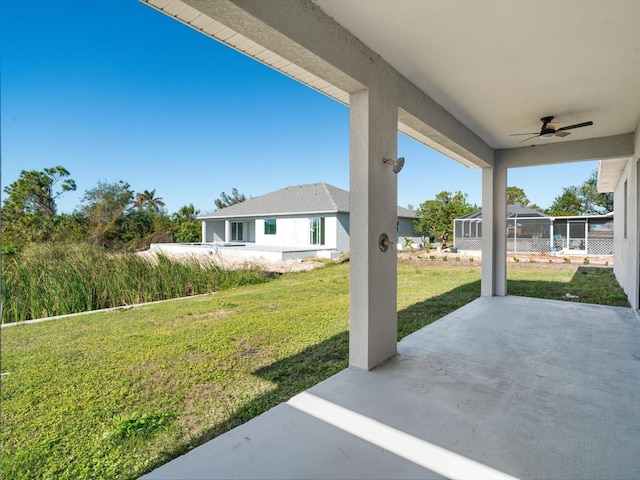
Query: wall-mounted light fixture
{"type": "Point", "coordinates": [397, 164]}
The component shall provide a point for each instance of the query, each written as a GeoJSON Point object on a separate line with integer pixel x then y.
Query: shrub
{"type": "Point", "coordinates": [586, 261]}
{"type": "Point", "coordinates": [49, 280]}
{"type": "Point", "coordinates": [408, 244]}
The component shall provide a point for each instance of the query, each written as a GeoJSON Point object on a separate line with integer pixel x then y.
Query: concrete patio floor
{"type": "Point", "coordinates": [503, 387]}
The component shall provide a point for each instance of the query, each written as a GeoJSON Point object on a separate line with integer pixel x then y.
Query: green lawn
{"type": "Point", "coordinates": [113, 395]}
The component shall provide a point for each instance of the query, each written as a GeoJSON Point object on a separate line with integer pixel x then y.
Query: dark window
{"type": "Point", "coordinates": [317, 231]}
{"type": "Point", "coordinates": [236, 232]}
{"type": "Point", "coordinates": [270, 226]}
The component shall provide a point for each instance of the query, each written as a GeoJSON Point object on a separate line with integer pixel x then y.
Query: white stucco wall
{"type": "Point", "coordinates": [406, 229]}
{"type": "Point", "coordinates": [213, 231]}
{"type": "Point", "coordinates": [342, 232]}
{"type": "Point", "coordinates": [626, 255]}
{"type": "Point", "coordinates": [294, 231]}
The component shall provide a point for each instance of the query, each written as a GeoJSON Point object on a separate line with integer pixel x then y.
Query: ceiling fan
{"type": "Point", "coordinates": [550, 129]}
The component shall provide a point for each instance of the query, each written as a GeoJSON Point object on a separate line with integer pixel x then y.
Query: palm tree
{"type": "Point", "coordinates": [147, 200]}
{"type": "Point", "coordinates": [187, 213]}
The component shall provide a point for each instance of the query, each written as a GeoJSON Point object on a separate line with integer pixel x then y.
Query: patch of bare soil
{"type": "Point", "coordinates": [540, 260]}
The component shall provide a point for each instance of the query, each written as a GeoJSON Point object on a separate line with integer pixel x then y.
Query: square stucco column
{"type": "Point", "coordinates": [227, 231]}
{"type": "Point", "coordinates": [494, 232]}
{"type": "Point", "coordinates": [373, 211]}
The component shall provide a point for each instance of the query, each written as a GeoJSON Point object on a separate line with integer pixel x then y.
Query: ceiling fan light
{"type": "Point", "coordinates": [547, 135]}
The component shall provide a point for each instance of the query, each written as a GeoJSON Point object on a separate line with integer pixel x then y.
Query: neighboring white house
{"type": "Point", "coordinates": [313, 216]}
{"type": "Point", "coordinates": [622, 177]}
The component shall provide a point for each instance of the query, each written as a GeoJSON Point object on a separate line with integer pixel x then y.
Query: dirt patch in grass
{"type": "Point", "coordinates": [539, 260]}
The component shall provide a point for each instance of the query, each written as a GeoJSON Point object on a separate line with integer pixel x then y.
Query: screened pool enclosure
{"type": "Point", "coordinates": [530, 231]}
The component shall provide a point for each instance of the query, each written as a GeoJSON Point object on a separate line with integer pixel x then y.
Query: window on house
{"type": "Point", "coordinates": [270, 226]}
{"type": "Point", "coordinates": [317, 231]}
{"type": "Point", "coordinates": [236, 232]}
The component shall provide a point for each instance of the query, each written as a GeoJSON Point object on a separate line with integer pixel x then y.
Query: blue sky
{"type": "Point", "coordinates": [113, 90]}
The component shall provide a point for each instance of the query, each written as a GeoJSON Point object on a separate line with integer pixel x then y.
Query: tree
{"type": "Point", "coordinates": [225, 200]}
{"type": "Point", "coordinates": [186, 213]}
{"type": "Point", "coordinates": [435, 217]}
{"type": "Point", "coordinates": [104, 207]}
{"type": "Point", "coordinates": [147, 200]}
{"type": "Point", "coordinates": [594, 202]}
{"type": "Point", "coordinates": [568, 203]}
{"type": "Point", "coordinates": [33, 192]}
{"type": "Point", "coordinates": [29, 212]}
{"type": "Point", "coordinates": [516, 196]}
{"type": "Point", "coordinates": [582, 200]}
{"type": "Point", "coordinates": [186, 227]}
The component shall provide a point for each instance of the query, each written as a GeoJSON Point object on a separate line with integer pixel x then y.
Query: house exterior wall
{"type": "Point", "coordinates": [406, 230]}
{"type": "Point", "coordinates": [342, 232]}
{"type": "Point", "coordinates": [213, 231]}
{"type": "Point", "coordinates": [250, 229]}
{"type": "Point", "coordinates": [295, 231]}
{"type": "Point", "coordinates": [626, 226]}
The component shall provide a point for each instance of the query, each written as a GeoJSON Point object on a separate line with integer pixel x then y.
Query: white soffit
{"type": "Point", "coordinates": [609, 172]}
{"type": "Point", "coordinates": [210, 27]}
{"type": "Point", "coordinates": [499, 66]}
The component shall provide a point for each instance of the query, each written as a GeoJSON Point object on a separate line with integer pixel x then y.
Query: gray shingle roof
{"type": "Point", "coordinates": [314, 198]}
{"type": "Point", "coordinates": [512, 211]}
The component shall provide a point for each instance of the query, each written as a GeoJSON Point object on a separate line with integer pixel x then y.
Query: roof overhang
{"type": "Point", "coordinates": [269, 215]}
{"type": "Point", "coordinates": [609, 173]}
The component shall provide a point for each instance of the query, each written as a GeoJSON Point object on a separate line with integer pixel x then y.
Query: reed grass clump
{"type": "Point", "coordinates": [48, 280]}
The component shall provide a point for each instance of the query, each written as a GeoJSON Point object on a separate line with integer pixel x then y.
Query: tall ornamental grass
{"type": "Point", "coordinates": [49, 280]}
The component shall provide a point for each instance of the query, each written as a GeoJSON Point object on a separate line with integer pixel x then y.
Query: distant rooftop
{"type": "Point", "coordinates": [513, 211]}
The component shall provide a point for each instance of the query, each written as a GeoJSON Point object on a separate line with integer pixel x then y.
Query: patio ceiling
{"type": "Point", "coordinates": [498, 67]}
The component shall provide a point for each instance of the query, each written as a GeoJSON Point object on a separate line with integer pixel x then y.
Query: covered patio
{"type": "Point", "coordinates": [504, 386]}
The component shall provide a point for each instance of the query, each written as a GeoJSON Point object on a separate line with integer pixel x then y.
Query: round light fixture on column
{"type": "Point", "coordinates": [397, 164]}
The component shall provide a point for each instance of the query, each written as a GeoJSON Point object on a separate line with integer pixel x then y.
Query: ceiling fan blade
{"type": "Point", "coordinates": [562, 134]}
{"type": "Point", "coordinates": [516, 134]}
{"type": "Point", "coordinates": [527, 139]}
{"type": "Point", "coordinates": [577, 125]}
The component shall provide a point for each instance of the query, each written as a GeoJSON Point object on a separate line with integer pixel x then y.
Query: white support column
{"type": "Point", "coordinates": [494, 232]}
{"type": "Point", "coordinates": [227, 231]}
{"type": "Point", "coordinates": [204, 231]}
{"type": "Point", "coordinates": [373, 211]}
